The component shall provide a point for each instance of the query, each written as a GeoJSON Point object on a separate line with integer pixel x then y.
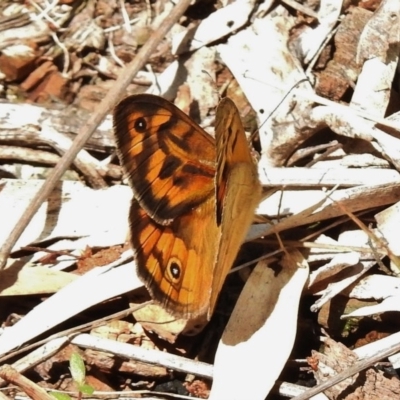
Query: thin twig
{"type": "Point", "coordinates": [321, 48]}
{"type": "Point", "coordinates": [87, 129]}
{"type": "Point", "coordinates": [111, 50]}
{"type": "Point", "coordinates": [44, 13]}
{"type": "Point", "coordinates": [34, 391]}
{"type": "Point", "coordinates": [357, 367]}
{"type": "Point", "coordinates": [371, 236]}
{"type": "Point", "coordinates": [65, 52]}
{"type": "Point", "coordinates": [300, 7]}
{"type": "Point", "coordinates": [76, 330]}
{"type": "Point", "coordinates": [125, 17]}
{"type": "Point", "coordinates": [117, 27]}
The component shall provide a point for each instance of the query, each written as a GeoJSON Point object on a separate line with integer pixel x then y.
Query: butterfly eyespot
{"type": "Point", "coordinates": [175, 270]}
{"type": "Point", "coordinates": [140, 125]}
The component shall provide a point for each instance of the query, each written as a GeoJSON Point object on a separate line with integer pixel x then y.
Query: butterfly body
{"type": "Point", "coordinates": [194, 199]}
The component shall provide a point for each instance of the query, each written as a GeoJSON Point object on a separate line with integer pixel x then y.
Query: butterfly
{"type": "Point", "coordinates": [194, 199]}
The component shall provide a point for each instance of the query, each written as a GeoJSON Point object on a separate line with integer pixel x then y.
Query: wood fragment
{"type": "Point", "coordinates": [31, 389]}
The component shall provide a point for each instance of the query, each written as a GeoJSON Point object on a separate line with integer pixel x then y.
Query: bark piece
{"type": "Point", "coordinates": [17, 62]}
{"type": "Point", "coordinates": [45, 83]}
{"type": "Point", "coordinates": [343, 70]}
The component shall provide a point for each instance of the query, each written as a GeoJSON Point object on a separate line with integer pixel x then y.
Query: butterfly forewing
{"type": "Point", "coordinates": [169, 160]}
{"type": "Point", "coordinates": [238, 190]}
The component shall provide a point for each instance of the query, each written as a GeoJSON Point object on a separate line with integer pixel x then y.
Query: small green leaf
{"type": "Point", "coordinates": [86, 389]}
{"type": "Point", "coordinates": [77, 368]}
{"type": "Point", "coordinates": [60, 396]}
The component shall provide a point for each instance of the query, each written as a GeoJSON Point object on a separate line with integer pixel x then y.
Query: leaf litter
{"type": "Point", "coordinates": [316, 84]}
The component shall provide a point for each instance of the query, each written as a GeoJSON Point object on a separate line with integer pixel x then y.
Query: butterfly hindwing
{"type": "Point", "coordinates": [175, 262]}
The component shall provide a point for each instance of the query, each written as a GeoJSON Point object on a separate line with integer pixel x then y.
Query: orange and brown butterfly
{"type": "Point", "coordinates": [194, 199]}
